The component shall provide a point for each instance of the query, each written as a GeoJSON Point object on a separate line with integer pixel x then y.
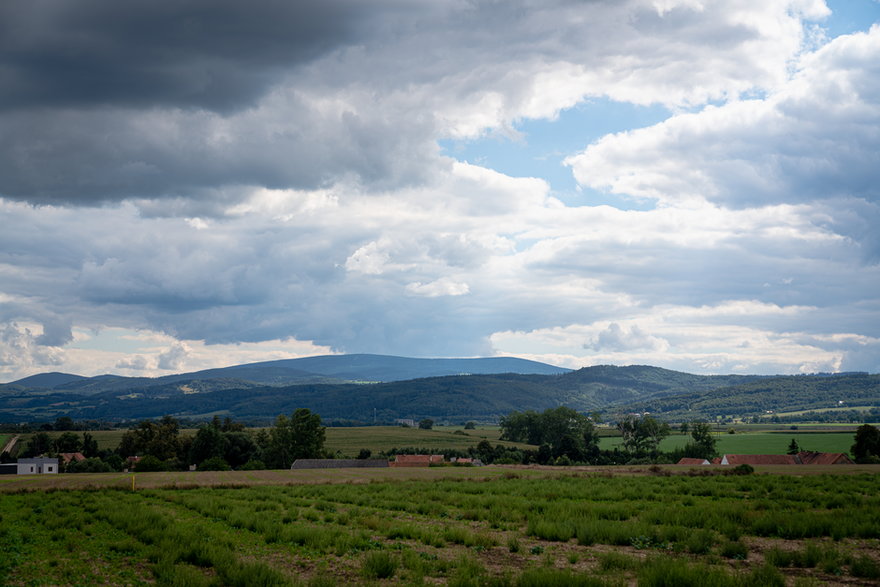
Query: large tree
{"type": "Point", "coordinates": [867, 446]}
{"type": "Point", "coordinates": [642, 434]}
{"type": "Point", "coordinates": [299, 437]}
{"type": "Point", "coordinates": [564, 431]}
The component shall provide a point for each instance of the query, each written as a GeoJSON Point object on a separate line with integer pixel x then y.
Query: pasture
{"type": "Point", "coordinates": [456, 526]}
{"type": "Point", "coordinates": [764, 442]}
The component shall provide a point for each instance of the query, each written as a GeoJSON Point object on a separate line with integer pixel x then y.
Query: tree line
{"type": "Point", "coordinates": [158, 445]}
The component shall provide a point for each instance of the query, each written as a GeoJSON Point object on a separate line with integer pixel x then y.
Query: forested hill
{"type": "Point", "coordinates": [769, 395]}
{"type": "Point", "coordinates": [359, 368]}
{"type": "Point", "coordinates": [450, 398]}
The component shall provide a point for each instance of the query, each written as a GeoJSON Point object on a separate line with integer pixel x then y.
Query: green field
{"type": "Point", "coordinates": [4, 438]}
{"type": "Point", "coordinates": [349, 441]}
{"type": "Point", "coordinates": [518, 527]}
{"type": "Point", "coordinates": [754, 443]}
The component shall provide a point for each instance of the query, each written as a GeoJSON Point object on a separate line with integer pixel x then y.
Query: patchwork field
{"type": "Point", "coordinates": [770, 442]}
{"type": "Point", "coordinates": [457, 526]}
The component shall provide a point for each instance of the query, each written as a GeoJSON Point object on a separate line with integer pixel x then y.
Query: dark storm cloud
{"type": "Point", "coordinates": [215, 54]}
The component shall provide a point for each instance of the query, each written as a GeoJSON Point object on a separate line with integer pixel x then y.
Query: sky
{"type": "Point", "coordinates": [691, 184]}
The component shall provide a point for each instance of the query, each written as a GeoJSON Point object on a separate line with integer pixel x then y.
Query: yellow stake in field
{"type": "Point", "coordinates": [132, 481]}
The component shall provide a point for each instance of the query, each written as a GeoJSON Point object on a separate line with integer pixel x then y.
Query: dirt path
{"type": "Point", "coordinates": [10, 445]}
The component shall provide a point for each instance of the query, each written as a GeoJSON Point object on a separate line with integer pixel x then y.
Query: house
{"type": "Point", "coordinates": [417, 460]}
{"type": "Point", "coordinates": [802, 458]}
{"type": "Point", "coordinates": [759, 460]}
{"type": "Point", "coordinates": [67, 457]}
{"type": "Point", "coordinates": [824, 458]}
{"type": "Point", "coordinates": [693, 461]}
{"type": "Point", "coordinates": [38, 466]}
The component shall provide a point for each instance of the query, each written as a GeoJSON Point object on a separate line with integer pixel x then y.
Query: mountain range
{"type": "Point", "coordinates": [376, 388]}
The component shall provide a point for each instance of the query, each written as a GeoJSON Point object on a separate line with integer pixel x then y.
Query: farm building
{"type": "Point", "coordinates": [339, 464]}
{"type": "Point", "coordinates": [38, 466]}
{"type": "Point", "coordinates": [693, 461]}
{"type": "Point", "coordinates": [824, 458]}
{"type": "Point", "coordinates": [417, 460]}
{"type": "Point", "coordinates": [802, 458]}
{"type": "Point", "coordinates": [67, 457]}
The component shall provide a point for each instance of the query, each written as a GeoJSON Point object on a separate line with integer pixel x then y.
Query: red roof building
{"type": "Point", "coordinates": [692, 461]}
{"type": "Point", "coordinates": [802, 458]}
{"type": "Point", "coordinates": [66, 457]}
{"type": "Point", "coordinates": [417, 460]}
{"type": "Point", "coordinates": [824, 458]}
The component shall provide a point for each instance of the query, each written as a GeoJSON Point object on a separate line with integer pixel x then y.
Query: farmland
{"type": "Point", "coordinates": [462, 526]}
{"type": "Point", "coordinates": [764, 442]}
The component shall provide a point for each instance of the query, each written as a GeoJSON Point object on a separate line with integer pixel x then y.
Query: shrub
{"type": "Point", "coordinates": [379, 565]}
{"type": "Point", "coordinates": [734, 549]}
{"type": "Point", "coordinates": [214, 464]}
{"type": "Point", "coordinates": [549, 577]}
{"type": "Point", "coordinates": [150, 463]}
{"type": "Point", "coordinates": [865, 567]}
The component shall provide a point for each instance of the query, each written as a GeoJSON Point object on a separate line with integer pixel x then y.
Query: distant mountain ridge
{"type": "Point", "coordinates": [350, 389]}
{"type": "Point", "coordinates": [316, 369]}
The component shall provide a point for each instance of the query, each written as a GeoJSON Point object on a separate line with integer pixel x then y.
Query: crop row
{"type": "Point", "coordinates": [589, 530]}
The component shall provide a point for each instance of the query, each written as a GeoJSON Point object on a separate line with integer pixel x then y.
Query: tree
{"type": "Point", "coordinates": [867, 444]}
{"type": "Point", "coordinates": [299, 437]}
{"type": "Point", "coordinates": [793, 447]}
{"type": "Point", "coordinates": [68, 442]}
{"type": "Point", "coordinates": [642, 435]}
{"type": "Point", "coordinates": [426, 424]}
{"type": "Point", "coordinates": [470, 425]}
{"type": "Point", "coordinates": [64, 423]}
{"type": "Point", "coordinates": [703, 445]}
{"type": "Point", "coordinates": [89, 446]}
{"type": "Point", "coordinates": [160, 439]}
{"type": "Point", "coordinates": [209, 442]}
{"type": "Point", "coordinates": [40, 443]}
{"type": "Point", "coordinates": [562, 430]}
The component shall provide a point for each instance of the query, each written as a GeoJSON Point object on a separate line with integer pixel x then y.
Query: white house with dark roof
{"type": "Point", "coordinates": [38, 466]}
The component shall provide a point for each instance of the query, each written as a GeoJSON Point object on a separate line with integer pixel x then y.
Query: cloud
{"type": "Point", "coordinates": [683, 339]}
{"type": "Point", "coordinates": [813, 138]}
{"type": "Point", "coordinates": [615, 338]}
{"type": "Point", "coordinates": [196, 99]}
{"type": "Point", "coordinates": [441, 287]}
{"type": "Point", "coordinates": [286, 194]}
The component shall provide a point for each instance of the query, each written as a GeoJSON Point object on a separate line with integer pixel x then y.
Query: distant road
{"type": "Point", "coordinates": [10, 445]}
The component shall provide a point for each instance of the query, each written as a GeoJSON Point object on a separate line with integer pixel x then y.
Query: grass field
{"type": "Point", "coordinates": [349, 441]}
{"type": "Point", "coordinates": [518, 527]}
{"type": "Point", "coordinates": [4, 438]}
{"type": "Point", "coordinates": [771, 442]}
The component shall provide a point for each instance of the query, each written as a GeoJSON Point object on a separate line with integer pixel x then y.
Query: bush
{"type": "Point", "coordinates": [734, 549]}
{"type": "Point", "coordinates": [150, 463]}
{"type": "Point", "coordinates": [864, 567]}
{"type": "Point", "coordinates": [254, 465]}
{"type": "Point", "coordinates": [743, 469]}
{"type": "Point", "coordinates": [215, 464]}
{"type": "Point", "coordinates": [379, 565]}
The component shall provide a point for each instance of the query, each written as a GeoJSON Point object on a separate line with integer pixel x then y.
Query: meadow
{"type": "Point", "coordinates": [349, 441]}
{"type": "Point", "coordinates": [763, 442]}
{"type": "Point", "coordinates": [456, 526]}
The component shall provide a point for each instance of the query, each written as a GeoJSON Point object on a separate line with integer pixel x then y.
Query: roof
{"type": "Point", "coordinates": [417, 460]}
{"type": "Point", "coordinates": [692, 461]}
{"type": "Point", "coordinates": [760, 460]}
{"type": "Point", "coordinates": [824, 458]}
{"type": "Point", "coordinates": [71, 456]}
